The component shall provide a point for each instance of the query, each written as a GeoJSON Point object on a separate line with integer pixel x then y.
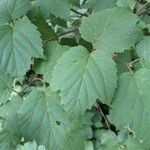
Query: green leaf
{"type": "Point", "coordinates": [6, 84]}
{"type": "Point", "coordinates": [129, 4]}
{"type": "Point", "coordinates": [6, 141]}
{"type": "Point", "coordinates": [82, 78]}
{"type": "Point", "coordinates": [89, 146]}
{"type": "Point", "coordinates": [111, 30]}
{"type": "Point", "coordinates": [10, 134]}
{"type": "Point", "coordinates": [75, 140]}
{"type": "Point", "coordinates": [19, 43]}
{"type": "Point", "coordinates": [143, 49]}
{"type": "Point", "coordinates": [107, 140]}
{"type": "Point", "coordinates": [30, 146]}
{"type": "Point", "coordinates": [133, 144]}
{"type": "Point", "coordinates": [11, 118]}
{"type": "Point", "coordinates": [53, 51]}
{"type": "Point", "coordinates": [74, 2]}
{"type": "Point", "coordinates": [37, 19]}
{"type": "Point", "coordinates": [13, 9]}
{"type": "Point", "coordinates": [98, 5]}
{"type": "Point", "coordinates": [131, 104]}
{"type": "Point", "coordinates": [59, 8]}
{"type": "Point", "coordinates": [44, 120]}
{"type": "Point", "coordinates": [122, 59]}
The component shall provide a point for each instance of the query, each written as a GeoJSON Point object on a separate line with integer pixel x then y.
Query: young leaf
{"type": "Point", "coordinates": [82, 78]}
{"type": "Point", "coordinates": [59, 8]}
{"type": "Point", "coordinates": [131, 104]}
{"type": "Point", "coordinates": [13, 9]}
{"type": "Point", "coordinates": [19, 43]}
{"type": "Point", "coordinates": [53, 51]}
{"type": "Point", "coordinates": [111, 30]}
{"type": "Point", "coordinates": [6, 84]}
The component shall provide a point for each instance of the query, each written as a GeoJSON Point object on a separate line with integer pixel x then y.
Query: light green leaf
{"type": "Point", "coordinates": [30, 146]}
{"type": "Point", "coordinates": [82, 78]}
{"type": "Point", "coordinates": [59, 8]}
{"type": "Point", "coordinates": [75, 140]}
{"type": "Point", "coordinates": [111, 30]}
{"type": "Point", "coordinates": [130, 4]}
{"type": "Point", "coordinates": [44, 120]}
{"type": "Point", "coordinates": [107, 140]}
{"type": "Point", "coordinates": [11, 118]}
{"type": "Point", "coordinates": [37, 19]}
{"type": "Point", "coordinates": [19, 42]}
{"type": "Point", "coordinates": [131, 104]}
{"type": "Point", "coordinates": [143, 49]}
{"type": "Point", "coordinates": [122, 59]}
{"type": "Point", "coordinates": [98, 5]}
{"type": "Point", "coordinates": [74, 2]}
{"type": "Point", "coordinates": [6, 141]}
{"type": "Point", "coordinates": [10, 134]}
{"type": "Point", "coordinates": [133, 144]}
{"type": "Point", "coordinates": [13, 9]}
{"type": "Point", "coordinates": [6, 85]}
{"type": "Point", "coordinates": [89, 146]}
{"type": "Point", "coordinates": [53, 51]}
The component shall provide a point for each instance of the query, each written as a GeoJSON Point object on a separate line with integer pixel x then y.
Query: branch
{"type": "Point", "coordinates": [130, 65]}
{"type": "Point", "coordinates": [79, 13]}
{"type": "Point", "coordinates": [133, 62]}
{"type": "Point", "coordinates": [106, 121]}
{"type": "Point", "coordinates": [28, 84]}
{"type": "Point", "coordinates": [61, 34]}
{"type": "Point", "coordinates": [144, 9]}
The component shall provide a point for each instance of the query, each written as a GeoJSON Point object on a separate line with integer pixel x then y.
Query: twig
{"type": "Point", "coordinates": [84, 1]}
{"type": "Point", "coordinates": [130, 65]}
{"type": "Point", "coordinates": [15, 91]}
{"type": "Point", "coordinates": [79, 13]}
{"type": "Point", "coordinates": [44, 83]}
{"type": "Point", "coordinates": [143, 12]}
{"type": "Point", "coordinates": [134, 61]}
{"type": "Point", "coordinates": [28, 84]}
{"type": "Point", "coordinates": [105, 118]}
{"type": "Point", "coordinates": [106, 121]}
{"type": "Point", "coordinates": [144, 9]}
{"type": "Point", "coordinates": [61, 34]}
